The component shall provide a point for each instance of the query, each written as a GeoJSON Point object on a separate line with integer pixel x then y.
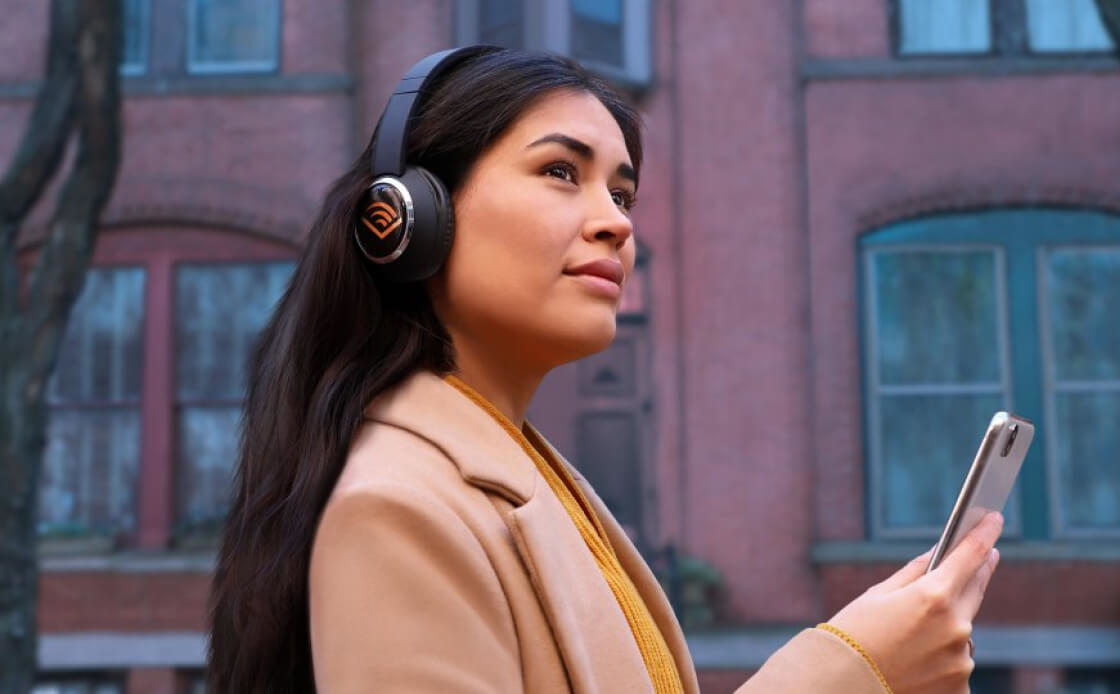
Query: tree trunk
{"type": "Point", "coordinates": [81, 91]}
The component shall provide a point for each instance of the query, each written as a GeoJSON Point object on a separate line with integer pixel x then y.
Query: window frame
{"type": "Point", "coordinates": [1050, 391]}
{"type": "Point", "coordinates": [120, 534]}
{"type": "Point", "coordinates": [180, 532]}
{"type": "Point", "coordinates": [873, 389]}
{"type": "Point", "coordinates": [157, 249]}
{"type": "Point", "coordinates": [1026, 234]}
{"type": "Point", "coordinates": [192, 66]}
{"type": "Point", "coordinates": [547, 26]}
{"type": "Point", "coordinates": [1009, 31]}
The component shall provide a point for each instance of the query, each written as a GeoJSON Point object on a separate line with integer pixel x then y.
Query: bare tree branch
{"type": "Point", "coordinates": [81, 91]}
{"type": "Point", "coordinates": [60, 268]}
{"type": "Point", "coordinates": [1110, 15]}
{"type": "Point", "coordinates": [42, 146]}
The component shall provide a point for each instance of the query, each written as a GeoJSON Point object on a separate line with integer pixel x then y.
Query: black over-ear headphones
{"type": "Point", "coordinates": [405, 223]}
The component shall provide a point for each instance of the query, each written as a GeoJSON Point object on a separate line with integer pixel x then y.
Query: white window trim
{"type": "Point", "coordinates": [547, 27]}
{"type": "Point", "coordinates": [197, 67]}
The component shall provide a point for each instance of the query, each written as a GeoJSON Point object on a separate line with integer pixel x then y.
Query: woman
{"type": "Point", "coordinates": [397, 525]}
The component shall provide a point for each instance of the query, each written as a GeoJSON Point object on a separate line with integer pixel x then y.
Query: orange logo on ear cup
{"type": "Point", "coordinates": [381, 218]}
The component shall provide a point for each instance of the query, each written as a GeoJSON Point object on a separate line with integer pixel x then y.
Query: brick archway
{"type": "Point", "coordinates": [975, 198]}
{"type": "Point", "coordinates": [271, 214]}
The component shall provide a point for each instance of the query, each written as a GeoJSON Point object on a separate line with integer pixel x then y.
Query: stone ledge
{"type": "Point", "coordinates": [93, 650]}
{"type": "Point", "coordinates": [865, 552]}
{"type": "Point", "coordinates": [131, 562]}
{"type": "Point", "coordinates": [746, 648]}
{"type": "Point", "coordinates": [1030, 645]}
{"type": "Point", "coordinates": [144, 85]}
{"type": "Point", "coordinates": [826, 69]}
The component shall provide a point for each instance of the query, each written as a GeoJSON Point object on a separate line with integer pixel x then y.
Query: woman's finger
{"type": "Point", "coordinates": [971, 554]}
{"type": "Point", "coordinates": [973, 594]}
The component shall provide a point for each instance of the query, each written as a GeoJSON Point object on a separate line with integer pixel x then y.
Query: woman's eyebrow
{"type": "Point", "coordinates": [583, 150]}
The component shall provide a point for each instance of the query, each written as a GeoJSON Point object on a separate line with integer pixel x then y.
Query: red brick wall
{"type": "Point", "coordinates": [23, 36]}
{"type": "Point", "coordinates": [847, 28]}
{"type": "Point", "coordinates": [1021, 592]}
{"type": "Point", "coordinates": [108, 601]}
{"type": "Point", "coordinates": [152, 681]}
{"type": "Point", "coordinates": [747, 476]}
{"type": "Point", "coordinates": [315, 37]}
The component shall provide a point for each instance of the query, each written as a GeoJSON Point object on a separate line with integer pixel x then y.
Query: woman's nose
{"type": "Point", "coordinates": [612, 225]}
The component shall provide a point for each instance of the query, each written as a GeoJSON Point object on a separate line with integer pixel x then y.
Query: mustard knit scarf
{"type": "Point", "coordinates": [651, 642]}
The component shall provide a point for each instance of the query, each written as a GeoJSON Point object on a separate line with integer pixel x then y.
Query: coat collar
{"type": "Point", "coordinates": [568, 582]}
{"type": "Point", "coordinates": [435, 410]}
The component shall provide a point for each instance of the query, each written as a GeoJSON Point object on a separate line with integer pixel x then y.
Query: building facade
{"type": "Point", "coordinates": [864, 227]}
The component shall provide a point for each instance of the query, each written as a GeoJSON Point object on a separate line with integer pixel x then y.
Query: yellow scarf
{"type": "Point", "coordinates": [651, 642]}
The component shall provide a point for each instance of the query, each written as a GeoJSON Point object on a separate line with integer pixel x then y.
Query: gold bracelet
{"type": "Point", "coordinates": [858, 649]}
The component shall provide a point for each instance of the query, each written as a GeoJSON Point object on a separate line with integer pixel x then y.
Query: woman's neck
{"type": "Point", "coordinates": [503, 383]}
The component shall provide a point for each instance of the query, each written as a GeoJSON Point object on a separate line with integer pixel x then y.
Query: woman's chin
{"type": "Point", "coordinates": [595, 337]}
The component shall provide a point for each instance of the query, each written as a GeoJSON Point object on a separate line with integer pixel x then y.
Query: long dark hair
{"type": "Point", "coordinates": [335, 341]}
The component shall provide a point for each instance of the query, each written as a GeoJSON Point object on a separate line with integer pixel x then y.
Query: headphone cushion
{"type": "Point", "coordinates": [433, 228]}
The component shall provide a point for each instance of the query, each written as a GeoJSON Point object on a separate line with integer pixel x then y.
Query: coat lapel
{"type": "Point", "coordinates": [594, 639]}
{"type": "Point", "coordinates": [644, 580]}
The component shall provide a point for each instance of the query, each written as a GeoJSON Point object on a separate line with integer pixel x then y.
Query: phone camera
{"type": "Point", "coordinates": [1013, 431]}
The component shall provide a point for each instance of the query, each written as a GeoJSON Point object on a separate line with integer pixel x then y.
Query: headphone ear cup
{"type": "Point", "coordinates": [433, 230]}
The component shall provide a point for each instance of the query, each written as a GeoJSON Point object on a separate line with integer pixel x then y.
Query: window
{"type": "Point", "coordinates": [1066, 27]}
{"type": "Point", "coordinates": [991, 680]}
{"type": "Point", "coordinates": [1092, 681]}
{"type": "Point", "coordinates": [501, 22]}
{"type": "Point", "coordinates": [1081, 289]}
{"type": "Point", "coordinates": [193, 682]}
{"type": "Point", "coordinates": [89, 474]}
{"type": "Point", "coordinates": [944, 26]}
{"type": "Point", "coordinates": [968, 314]}
{"type": "Point", "coordinates": [233, 35]}
{"type": "Point", "coordinates": [134, 35]}
{"type": "Point", "coordinates": [595, 31]}
{"type": "Point", "coordinates": [220, 309]}
{"type": "Point", "coordinates": [999, 27]}
{"type": "Point", "coordinates": [611, 37]}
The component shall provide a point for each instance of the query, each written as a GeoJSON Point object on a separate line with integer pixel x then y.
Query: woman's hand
{"type": "Point", "coordinates": [916, 626]}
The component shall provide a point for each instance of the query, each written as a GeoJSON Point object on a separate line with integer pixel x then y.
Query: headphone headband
{"type": "Point", "coordinates": [389, 152]}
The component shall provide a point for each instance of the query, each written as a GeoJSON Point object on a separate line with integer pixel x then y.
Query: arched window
{"type": "Point", "coordinates": [966, 314]}
{"type": "Point", "coordinates": [146, 398]}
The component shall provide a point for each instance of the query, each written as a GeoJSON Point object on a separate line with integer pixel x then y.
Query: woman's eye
{"type": "Point", "coordinates": [623, 199]}
{"type": "Point", "coordinates": [561, 170]}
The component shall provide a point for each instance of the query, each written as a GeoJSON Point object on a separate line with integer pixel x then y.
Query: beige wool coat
{"type": "Point", "coordinates": [443, 562]}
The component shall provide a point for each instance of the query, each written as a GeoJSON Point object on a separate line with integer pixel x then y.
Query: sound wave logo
{"type": "Point", "coordinates": [381, 218]}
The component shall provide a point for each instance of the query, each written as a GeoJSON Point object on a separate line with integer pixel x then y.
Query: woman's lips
{"type": "Point", "coordinates": [600, 285]}
{"type": "Point", "coordinates": [604, 276]}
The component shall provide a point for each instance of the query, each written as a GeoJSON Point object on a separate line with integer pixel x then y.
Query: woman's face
{"type": "Point", "coordinates": [543, 237]}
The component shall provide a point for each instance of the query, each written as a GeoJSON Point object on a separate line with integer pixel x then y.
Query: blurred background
{"type": "Point", "coordinates": [865, 226]}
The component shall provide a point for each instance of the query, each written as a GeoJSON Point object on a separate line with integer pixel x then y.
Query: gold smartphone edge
{"type": "Point", "coordinates": [968, 489]}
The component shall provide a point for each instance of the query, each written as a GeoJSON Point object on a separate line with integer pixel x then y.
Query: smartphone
{"type": "Point", "coordinates": [989, 480]}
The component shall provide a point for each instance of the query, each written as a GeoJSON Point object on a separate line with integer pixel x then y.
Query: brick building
{"type": "Point", "coordinates": [864, 226]}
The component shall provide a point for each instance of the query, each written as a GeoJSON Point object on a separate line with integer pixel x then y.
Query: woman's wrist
{"type": "Point", "coordinates": [847, 638]}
